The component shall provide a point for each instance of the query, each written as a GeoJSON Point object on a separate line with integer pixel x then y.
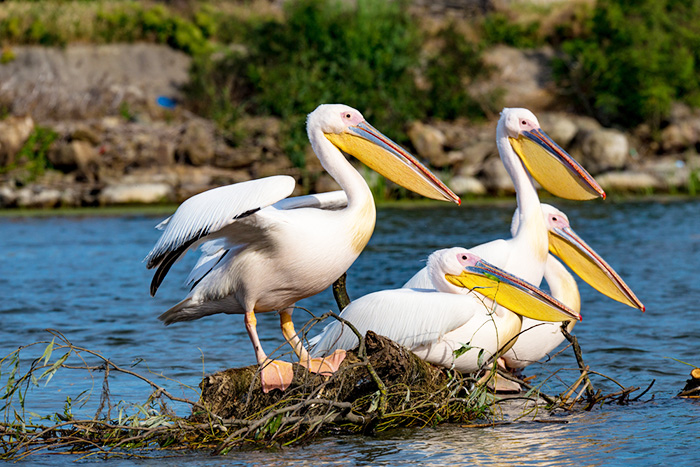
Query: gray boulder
{"type": "Point", "coordinates": [428, 142]}
{"type": "Point", "coordinates": [14, 132]}
{"type": "Point", "coordinates": [601, 150]}
{"type": "Point", "coordinates": [145, 193]}
{"type": "Point", "coordinates": [197, 143]}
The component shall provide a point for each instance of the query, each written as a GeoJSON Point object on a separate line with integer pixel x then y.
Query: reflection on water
{"type": "Point", "coordinates": [84, 276]}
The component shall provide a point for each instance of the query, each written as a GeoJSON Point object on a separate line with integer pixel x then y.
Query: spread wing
{"type": "Point", "coordinates": [205, 214]}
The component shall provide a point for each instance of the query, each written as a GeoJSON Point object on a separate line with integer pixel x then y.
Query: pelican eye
{"type": "Point", "coordinates": [524, 122]}
{"type": "Point", "coordinates": [348, 116]}
{"type": "Point", "coordinates": [554, 218]}
{"type": "Point", "coordinates": [464, 257]}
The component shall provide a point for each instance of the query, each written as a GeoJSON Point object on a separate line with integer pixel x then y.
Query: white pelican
{"type": "Point", "coordinates": [538, 338]}
{"type": "Point", "coordinates": [434, 323]}
{"type": "Point", "coordinates": [526, 150]}
{"type": "Point", "coordinates": [263, 253]}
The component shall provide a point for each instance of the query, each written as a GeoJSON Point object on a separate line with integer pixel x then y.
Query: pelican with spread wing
{"type": "Point", "coordinates": [262, 252]}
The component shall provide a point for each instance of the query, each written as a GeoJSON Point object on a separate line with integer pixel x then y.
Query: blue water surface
{"type": "Point", "coordinates": [84, 276]}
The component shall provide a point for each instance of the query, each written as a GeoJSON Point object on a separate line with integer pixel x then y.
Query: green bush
{"type": "Point", "coordinates": [133, 22]}
{"type": "Point", "coordinates": [497, 28]}
{"type": "Point", "coordinates": [366, 55]}
{"type": "Point", "coordinates": [33, 155]}
{"type": "Point", "coordinates": [634, 60]}
{"type": "Point", "coordinates": [448, 73]}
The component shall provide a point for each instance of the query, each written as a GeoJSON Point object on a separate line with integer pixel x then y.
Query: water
{"type": "Point", "coordinates": [84, 276]}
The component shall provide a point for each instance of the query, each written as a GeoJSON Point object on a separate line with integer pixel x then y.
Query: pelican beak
{"type": "Point", "coordinates": [384, 156]}
{"type": "Point", "coordinates": [553, 168]}
{"type": "Point", "coordinates": [513, 293]}
{"type": "Point", "coordinates": [589, 266]}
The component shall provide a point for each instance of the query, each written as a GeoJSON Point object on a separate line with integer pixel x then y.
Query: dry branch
{"type": "Point", "coordinates": [379, 387]}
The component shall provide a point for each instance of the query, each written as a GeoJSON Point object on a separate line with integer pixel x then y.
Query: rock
{"type": "Point", "coordinates": [196, 144]}
{"type": "Point", "coordinates": [559, 127]}
{"type": "Point", "coordinates": [37, 196]}
{"type": "Point", "coordinates": [72, 197]}
{"type": "Point", "coordinates": [75, 155]}
{"type": "Point", "coordinates": [271, 164]}
{"type": "Point", "coordinates": [263, 130]}
{"type": "Point", "coordinates": [462, 133]}
{"type": "Point", "coordinates": [84, 133]}
{"type": "Point", "coordinates": [674, 171]}
{"type": "Point", "coordinates": [681, 135]}
{"type": "Point", "coordinates": [464, 185]}
{"type": "Point", "coordinates": [428, 142]}
{"type": "Point", "coordinates": [495, 176]}
{"type": "Point", "coordinates": [194, 180]}
{"type": "Point", "coordinates": [80, 81]}
{"type": "Point", "coordinates": [233, 158]}
{"type": "Point", "coordinates": [629, 182]}
{"type": "Point", "coordinates": [584, 123]}
{"type": "Point", "coordinates": [14, 132]}
{"type": "Point", "coordinates": [145, 193]}
{"type": "Point", "coordinates": [477, 153]}
{"type": "Point", "coordinates": [524, 76]}
{"type": "Point", "coordinates": [153, 149]}
{"type": "Point", "coordinates": [8, 197]}
{"type": "Point", "coordinates": [602, 150]}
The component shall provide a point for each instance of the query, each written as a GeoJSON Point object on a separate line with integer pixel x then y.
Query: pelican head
{"type": "Point", "coordinates": [348, 130]}
{"type": "Point", "coordinates": [458, 270]}
{"type": "Point", "coordinates": [583, 260]}
{"type": "Point", "coordinates": [549, 164]}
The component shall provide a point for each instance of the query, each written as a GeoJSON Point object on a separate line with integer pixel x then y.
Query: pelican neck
{"type": "Point", "coordinates": [341, 170]}
{"type": "Point", "coordinates": [528, 201]}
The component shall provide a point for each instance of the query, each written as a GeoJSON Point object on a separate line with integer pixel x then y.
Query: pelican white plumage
{"type": "Point", "coordinates": [527, 151]}
{"type": "Point", "coordinates": [262, 252]}
{"type": "Point", "coordinates": [458, 310]}
{"type": "Point", "coordinates": [538, 338]}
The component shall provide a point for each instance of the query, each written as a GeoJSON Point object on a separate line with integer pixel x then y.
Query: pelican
{"type": "Point", "coordinates": [538, 338]}
{"type": "Point", "coordinates": [527, 151]}
{"type": "Point", "coordinates": [458, 310]}
{"type": "Point", "coordinates": [262, 252]}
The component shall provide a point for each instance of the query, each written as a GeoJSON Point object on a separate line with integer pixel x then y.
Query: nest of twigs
{"type": "Point", "coordinates": [379, 387]}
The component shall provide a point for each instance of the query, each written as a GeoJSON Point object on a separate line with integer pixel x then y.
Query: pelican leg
{"type": "Point", "coordinates": [274, 374]}
{"type": "Point", "coordinates": [497, 383]}
{"type": "Point", "coordinates": [325, 366]}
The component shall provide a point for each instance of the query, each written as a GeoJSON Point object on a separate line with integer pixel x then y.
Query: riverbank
{"type": "Point", "coordinates": [86, 125]}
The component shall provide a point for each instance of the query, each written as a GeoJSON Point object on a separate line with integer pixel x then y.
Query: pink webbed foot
{"type": "Point", "coordinates": [276, 374]}
{"type": "Point", "coordinates": [324, 366]}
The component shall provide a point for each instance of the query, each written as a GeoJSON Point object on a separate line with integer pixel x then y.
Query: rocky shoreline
{"type": "Point", "coordinates": [115, 145]}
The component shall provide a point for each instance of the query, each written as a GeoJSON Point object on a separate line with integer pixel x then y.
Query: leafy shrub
{"type": "Point", "coordinates": [134, 22]}
{"type": "Point", "coordinates": [33, 155]}
{"type": "Point", "coordinates": [497, 28]}
{"type": "Point", "coordinates": [366, 55]}
{"type": "Point", "coordinates": [634, 60]}
{"type": "Point", "coordinates": [448, 73]}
